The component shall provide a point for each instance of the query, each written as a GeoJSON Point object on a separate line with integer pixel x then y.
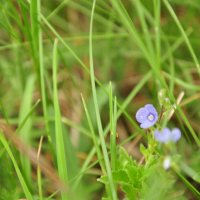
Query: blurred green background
{"type": "Point", "coordinates": [142, 47]}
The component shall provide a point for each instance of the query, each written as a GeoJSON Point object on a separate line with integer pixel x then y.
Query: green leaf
{"type": "Point", "coordinates": [121, 176]}
{"type": "Point", "coordinates": [130, 191]}
{"type": "Point", "coordinates": [143, 150]}
{"type": "Point", "coordinates": [124, 159]}
{"type": "Point", "coordinates": [135, 174]}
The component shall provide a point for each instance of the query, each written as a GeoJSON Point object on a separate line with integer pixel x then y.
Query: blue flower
{"type": "Point", "coordinates": [162, 136]}
{"type": "Point", "coordinates": [167, 135]}
{"type": "Point", "coordinates": [147, 116]}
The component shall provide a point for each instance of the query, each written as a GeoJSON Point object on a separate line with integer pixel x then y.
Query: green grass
{"type": "Point", "coordinates": [21, 179]}
{"type": "Point", "coordinates": [60, 147]}
{"type": "Point", "coordinates": [73, 75]}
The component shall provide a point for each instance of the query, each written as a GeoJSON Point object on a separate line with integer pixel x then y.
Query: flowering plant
{"type": "Point", "coordinates": [148, 117]}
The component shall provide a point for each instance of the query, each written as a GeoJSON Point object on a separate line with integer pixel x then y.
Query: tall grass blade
{"type": "Point", "coordinates": [17, 169]}
{"type": "Point", "coordinates": [60, 147]}
{"type": "Point", "coordinates": [100, 129]}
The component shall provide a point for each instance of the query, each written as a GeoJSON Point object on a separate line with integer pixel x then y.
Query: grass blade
{"type": "Point", "coordinates": [100, 129]}
{"type": "Point", "coordinates": [60, 148]}
{"type": "Point", "coordinates": [19, 174]}
{"type": "Point", "coordinates": [113, 134]}
{"type": "Point", "coordinates": [171, 11]}
{"type": "Point", "coordinates": [41, 66]}
{"type": "Point", "coordinates": [25, 130]}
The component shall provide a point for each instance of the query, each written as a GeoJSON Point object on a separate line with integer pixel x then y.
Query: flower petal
{"type": "Point", "coordinates": [175, 135]}
{"type": "Point", "coordinates": [151, 109]}
{"type": "Point", "coordinates": [141, 115]}
{"type": "Point", "coordinates": [162, 136]}
{"type": "Point", "coordinates": [146, 124]}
